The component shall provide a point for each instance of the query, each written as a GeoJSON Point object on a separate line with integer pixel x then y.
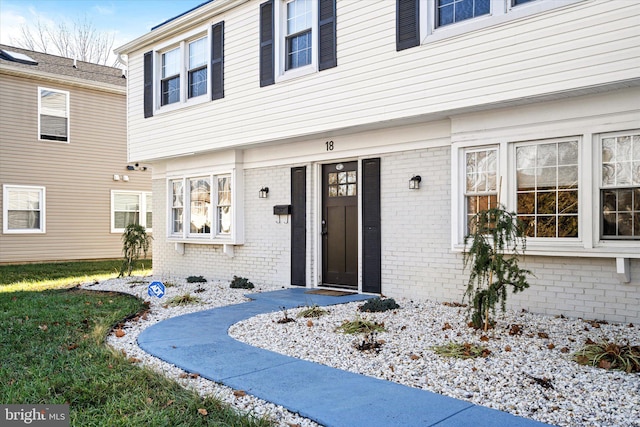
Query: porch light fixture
{"type": "Point", "coordinates": [414, 182]}
{"type": "Point", "coordinates": [264, 191]}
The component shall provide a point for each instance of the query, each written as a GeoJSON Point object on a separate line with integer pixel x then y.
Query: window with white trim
{"type": "Point", "coordinates": [130, 207]}
{"type": "Point", "coordinates": [620, 186]}
{"type": "Point", "coordinates": [298, 43]}
{"type": "Point", "coordinates": [481, 181]}
{"type": "Point", "coordinates": [422, 21]}
{"type": "Point", "coordinates": [53, 115]}
{"type": "Point", "coordinates": [547, 188]}
{"type": "Point", "coordinates": [184, 71]}
{"type": "Point", "coordinates": [23, 209]}
{"type": "Point", "coordinates": [201, 207]}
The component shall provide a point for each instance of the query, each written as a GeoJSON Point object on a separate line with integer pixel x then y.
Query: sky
{"type": "Point", "coordinates": [125, 19]}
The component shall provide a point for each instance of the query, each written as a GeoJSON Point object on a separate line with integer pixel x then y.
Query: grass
{"type": "Point", "coordinates": [35, 277]}
{"type": "Point", "coordinates": [53, 352]}
{"type": "Point", "coordinates": [360, 325]}
{"type": "Point", "coordinates": [185, 299]}
{"type": "Point", "coordinates": [461, 350]}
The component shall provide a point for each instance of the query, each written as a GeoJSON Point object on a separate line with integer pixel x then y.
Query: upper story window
{"type": "Point", "coordinates": [620, 186]}
{"type": "Point", "coordinates": [198, 67]}
{"type": "Point", "coordinates": [298, 40]}
{"type": "Point", "coordinates": [170, 83]}
{"type": "Point", "coordinates": [452, 11]}
{"type": "Point", "coordinates": [23, 209]}
{"type": "Point", "coordinates": [422, 21]}
{"type": "Point", "coordinates": [297, 37]}
{"type": "Point", "coordinates": [130, 207]}
{"type": "Point", "coordinates": [201, 207]}
{"type": "Point", "coordinates": [185, 70]}
{"type": "Point", "coordinates": [53, 109]}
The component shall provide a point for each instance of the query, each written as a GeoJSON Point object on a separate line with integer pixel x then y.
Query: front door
{"type": "Point", "coordinates": [340, 225]}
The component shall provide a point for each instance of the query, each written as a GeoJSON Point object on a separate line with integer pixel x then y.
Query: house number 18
{"type": "Point", "coordinates": [329, 145]}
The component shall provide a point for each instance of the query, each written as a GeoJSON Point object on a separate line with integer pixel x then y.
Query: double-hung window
{"type": "Point", "coordinates": [620, 186]}
{"type": "Point", "coordinates": [201, 207]}
{"type": "Point", "coordinates": [198, 67]}
{"type": "Point", "coordinates": [481, 185]}
{"type": "Point", "coordinates": [452, 11]}
{"type": "Point", "coordinates": [298, 43]}
{"type": "Point", "coordinates": [53, 123]}
{"type": "Point", "coordinates": [23, 209]}
{"type": "Point", "coordinates": [130, 207]}
{"type": "Point", "coordinates": [170, 83]}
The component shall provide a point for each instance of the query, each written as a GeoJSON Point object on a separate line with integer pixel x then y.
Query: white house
{"type": "Point", "coordinates": [284, 135]}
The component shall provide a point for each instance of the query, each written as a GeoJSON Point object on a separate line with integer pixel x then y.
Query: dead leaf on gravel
{"type": "Point", "coordinates": [239, 393]}
{"type": "Point", "coordinates": [202, 412]}
{"type": "Point", "coordinates": [120, 333]}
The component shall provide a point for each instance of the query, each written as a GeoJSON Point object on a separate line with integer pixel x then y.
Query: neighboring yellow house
{"type": "Point", "coordinates": [67, 188]}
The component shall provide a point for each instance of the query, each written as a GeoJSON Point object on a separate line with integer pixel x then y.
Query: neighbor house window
{"type": "Point", "coordinates": [53, 106]}
{"type": "Point", "coordinates": [170, 83]}
{"type": "Point", "coordinates": [452, 11]}
{"type": "Point", "coordinates": [620, 186]}
{"type": "Point", "coordinates": [547, 188]}
{"type": "Point", "coordinates": [130, 207]}
{"type": "Point", "coordinates": [298, 33]}
{"type": "Point", "coordinates": [481, 185]}
{"type": "Point", "coordinates": [206, 206]}
{"type": "Point", "coordinates": [198, 67]}
{"type": "Point", "coordinates": [23, 209]}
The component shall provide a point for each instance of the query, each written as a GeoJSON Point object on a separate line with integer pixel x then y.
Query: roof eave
{"type": "Point", "coordinates": [179, 24]}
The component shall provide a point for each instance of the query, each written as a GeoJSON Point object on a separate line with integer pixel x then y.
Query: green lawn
{"type": "Point", "coordinates": [53, 352]}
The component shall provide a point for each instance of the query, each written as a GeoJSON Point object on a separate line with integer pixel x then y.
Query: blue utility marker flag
{"type": "Point", "coordinates": [156, 289]}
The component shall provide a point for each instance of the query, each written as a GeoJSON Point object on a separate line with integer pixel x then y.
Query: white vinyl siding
{"type": "Point", "coordinates": [23, 209]}
{"type": "Point", "coordinates": [584, 44]}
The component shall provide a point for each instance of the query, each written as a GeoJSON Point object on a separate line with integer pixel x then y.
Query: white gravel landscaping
{"type": "Point", "coordinates": [529, 372]}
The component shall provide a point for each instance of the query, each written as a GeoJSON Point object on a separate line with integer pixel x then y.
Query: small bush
{"type": "Point", "coordinates": [461, 351]}
{"type": "Point", "coordinates": [378, 305]}
{"type": "Point", "coordinates": [360, 325]}
{"type": "Point", "coordinates": [610, 355]}
{"type": "Point", "coordinates": [241, 283]}
{"type": "Point", "coordinates": [185, 299]}
{"type": "Point", "coordinates": [313, 311]}
{"type": "Point", "coordinates": [196, 279]}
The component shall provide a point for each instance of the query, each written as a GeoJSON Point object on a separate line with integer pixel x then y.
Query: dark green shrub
{"type": "Point", "coordinates": [377, 305]}
{"type": "Point", "coordinates": [135, 242]}
{"type": "Point", "coordinates": [496, 240]}
{"type": "Point", "coordinates": [241, 283]}
{"type": "Point", "coordinates": [196, 279]}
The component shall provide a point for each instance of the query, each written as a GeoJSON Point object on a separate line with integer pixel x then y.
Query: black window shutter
{"type": "Point", "coordinates": [407, 24]}
{"type": "Point", "coordinates": [298, 225]}
{"type": "Point", "coordinates": [217, 61]}
{"type": "Point", "coordinates": [371, 238]}
{"type": "Point", "coordinates": [266, 44]}
{"type": "Point", "coordinates": [327, 34]}
{"type": "Point", "coordinates": [148, 84]}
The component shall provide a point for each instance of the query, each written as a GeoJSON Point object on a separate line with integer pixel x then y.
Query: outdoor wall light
{"type": "Point", "coordinates": [414, 182]}
{"type": "Point", "coordinates": [264, 191]}
{"type": "Point", "coordinates": [136, 167]}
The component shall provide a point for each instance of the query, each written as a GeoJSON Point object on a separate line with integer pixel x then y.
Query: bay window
{"type": "Point", "coordinates": [205, 206]}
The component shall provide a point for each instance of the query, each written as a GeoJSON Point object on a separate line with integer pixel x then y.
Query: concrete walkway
{"type": "Point", "coordinates": [199, 342]}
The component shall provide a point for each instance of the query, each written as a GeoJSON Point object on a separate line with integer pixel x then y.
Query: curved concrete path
{"type": "Point", "coordinates": [199, 342]}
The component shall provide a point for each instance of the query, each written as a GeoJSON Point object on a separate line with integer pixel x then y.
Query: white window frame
{"type": "Point", "coordinates": [501, 11]}
{"type": "Point", "coordinates": [6, 190]}
{"type": "Point", "coordinates": [280, 35]}
{"type": "Point", "coordinates": [181, 43]}
{"type": "Point", "coordinates": [214, 236]}
{"type": "Point", "coordinates": [67, 113]}
{"type": "Point", "coordinates": [599, 187]}
{"type": "Point", "coordinates": [143, 209]}
{"type": "Point", "coordinates": [589, 242]}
